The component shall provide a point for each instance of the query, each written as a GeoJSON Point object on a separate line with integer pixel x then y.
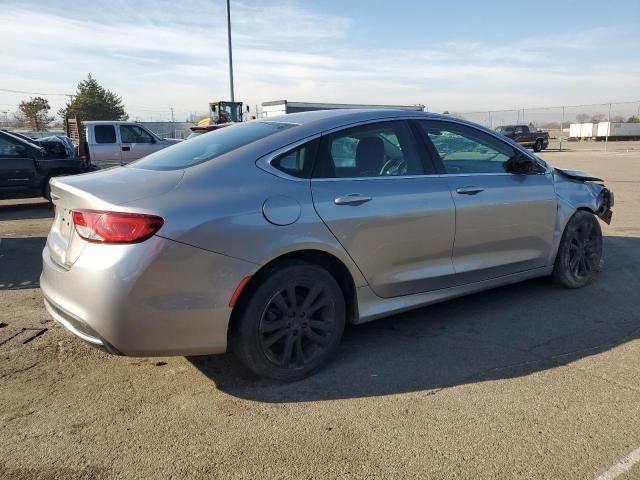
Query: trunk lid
{"type": "Point", "coordinates": [102, 190]}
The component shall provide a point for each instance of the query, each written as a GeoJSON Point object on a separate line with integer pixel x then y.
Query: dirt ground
{"type": "Point", "coordinates": [529, 381]}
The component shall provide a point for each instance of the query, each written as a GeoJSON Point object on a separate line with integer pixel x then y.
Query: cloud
{"type": "Point", "coordinates": [158, 56]}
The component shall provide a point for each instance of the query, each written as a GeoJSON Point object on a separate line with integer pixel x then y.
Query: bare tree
{"type": "Point", "coordinates": [35, 113]}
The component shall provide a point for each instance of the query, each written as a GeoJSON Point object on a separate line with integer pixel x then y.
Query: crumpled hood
{"type": "Point", "coordinates": [578, 175]}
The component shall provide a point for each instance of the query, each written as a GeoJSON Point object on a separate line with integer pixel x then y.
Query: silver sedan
{"type": "Point", "coordinates": [269, 236]}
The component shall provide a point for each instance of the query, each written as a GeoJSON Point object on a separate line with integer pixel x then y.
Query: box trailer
{"type": "Point", "coordinates": [618, 131]}
{"type": "Point", "coordinates": [281, 107]}
{"type": "Point", "coordinates": [581, 131]}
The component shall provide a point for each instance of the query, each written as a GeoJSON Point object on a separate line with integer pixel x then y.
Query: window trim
{"type": "Point", "coordinates": [264, 162]}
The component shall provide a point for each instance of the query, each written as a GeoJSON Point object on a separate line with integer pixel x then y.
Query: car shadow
{"type": "Point", "coordinates": [25, 211]}
{"type": "Point", "coordinates": [503, 333]}
{"type": "Point", "coordinates": [21, 262]}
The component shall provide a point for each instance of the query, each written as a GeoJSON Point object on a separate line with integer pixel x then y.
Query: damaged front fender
{"type": "Point", "coordinates": [578, 190]}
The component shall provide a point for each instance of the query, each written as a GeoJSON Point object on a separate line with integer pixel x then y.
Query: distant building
{"type": "Point", "coordinates": [280, 107]}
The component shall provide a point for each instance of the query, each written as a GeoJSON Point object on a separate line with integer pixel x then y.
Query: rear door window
{"type": "Point", "coordinates": [373, 150]}
{"type": "Point", "coordinates": [105, 133]}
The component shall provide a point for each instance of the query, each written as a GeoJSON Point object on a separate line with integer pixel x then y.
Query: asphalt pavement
{"type": "Point", "coordinates": [528, 381]}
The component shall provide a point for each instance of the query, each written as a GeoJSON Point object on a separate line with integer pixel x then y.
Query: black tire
{"type": "Point", "coordinates": [537, 147]}
{"type": "Point", "coordinates": [579, 256]}
{"type": "Point", "coordinates": [291, 323]}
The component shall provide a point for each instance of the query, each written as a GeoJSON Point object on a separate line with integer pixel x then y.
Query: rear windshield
{"type": "Point", "coordinates": [208, 146]}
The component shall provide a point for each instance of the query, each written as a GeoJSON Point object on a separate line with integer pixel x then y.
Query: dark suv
{"type": "Point", "coordinates": [26, 165]}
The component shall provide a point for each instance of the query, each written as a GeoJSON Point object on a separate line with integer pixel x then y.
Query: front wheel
{"type": "Point", "coordinates": [580, 251]}
{"type": "Point", "coordinates": [292, 323]}
{"type": "Point", "coordinates": [537, 147]}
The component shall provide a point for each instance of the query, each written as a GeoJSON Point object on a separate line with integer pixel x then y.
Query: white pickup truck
{"type": "Point", "coordinates": [108, 143]}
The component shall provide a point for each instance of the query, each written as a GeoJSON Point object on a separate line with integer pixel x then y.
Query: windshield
{"type": "Point", "coordinates": [208, 146]}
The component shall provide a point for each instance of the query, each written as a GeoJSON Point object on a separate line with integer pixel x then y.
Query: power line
{"type": "Point", "coordinates": [552, 108]}
{"type": "Point", "coordinates": [35, 93]}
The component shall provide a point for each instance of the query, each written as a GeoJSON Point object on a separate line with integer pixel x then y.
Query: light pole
{"type": "Point", "coordinates": [230, 54]}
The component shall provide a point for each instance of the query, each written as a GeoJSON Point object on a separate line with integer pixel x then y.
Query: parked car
{"type": "Point", "coordinates": [111, 143]}
{"type": "Point", "coordinates": [521, 134]}
{"type": "Point", "coordinates": [269, 236]}
{"type": "Point", "coordinates": [26, 165]}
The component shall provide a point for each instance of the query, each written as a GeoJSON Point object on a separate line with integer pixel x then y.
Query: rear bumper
{"type": "Point", "coordinates": [155, 298]}
{"type": "Point", "coordinates": [78, 327]}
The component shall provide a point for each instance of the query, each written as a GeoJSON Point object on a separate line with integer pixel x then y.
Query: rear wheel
{"type": "Point", "coordinates": [292, 323]}
{"type": "Point", "coordinates": [580, 252]}
{"type": "Point", "coordinates": [537, 147]}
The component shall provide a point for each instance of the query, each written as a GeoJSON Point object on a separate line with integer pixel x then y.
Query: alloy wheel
{"type": "Point", "coordinates": [297, 325]}
{"type": "Point", "coordinates": [583, 251]}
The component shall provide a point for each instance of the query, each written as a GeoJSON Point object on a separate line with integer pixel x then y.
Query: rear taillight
{"type": "Point", "coordinates": [115, 227]}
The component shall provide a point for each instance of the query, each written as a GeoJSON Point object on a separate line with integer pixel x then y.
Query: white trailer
{"type": "Point", "coordinates": [618, 131]}
{"type": "Point", "coordinates": [581, 131]}
{"type": "Point", "coordinates": [281, 107]}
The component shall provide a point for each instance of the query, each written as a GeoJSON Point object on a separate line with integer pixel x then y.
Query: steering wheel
{"type": "Point", "coordinates": [397, 164]}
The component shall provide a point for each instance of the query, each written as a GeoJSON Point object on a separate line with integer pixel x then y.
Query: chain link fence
{"type": "Point", "coordinates": [573, 127]}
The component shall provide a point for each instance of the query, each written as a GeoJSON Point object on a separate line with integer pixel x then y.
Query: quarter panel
{"type": "Point", "coordinates": [155, 298]}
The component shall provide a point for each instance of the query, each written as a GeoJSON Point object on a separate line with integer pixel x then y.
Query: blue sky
{"type": "Point", "coordinates": [461, 56]}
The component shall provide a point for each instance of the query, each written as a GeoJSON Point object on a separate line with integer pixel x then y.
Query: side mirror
{"type": "Point", "coordinates": [522, 165]}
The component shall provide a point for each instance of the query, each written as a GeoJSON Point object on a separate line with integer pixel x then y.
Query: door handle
{"type": "Point", "coordinates": [126, 149]}
{"type": "Point", "coordinates": [352, 199]}
{"type": "Point", "coordinates": [469, 190]}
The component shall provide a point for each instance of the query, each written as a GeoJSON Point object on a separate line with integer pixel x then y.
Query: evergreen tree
{"type": "Point", "coordinates": [93, 102]}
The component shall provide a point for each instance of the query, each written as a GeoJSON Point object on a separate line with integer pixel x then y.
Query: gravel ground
{"type": "Point", "coordinates": [528, 381]}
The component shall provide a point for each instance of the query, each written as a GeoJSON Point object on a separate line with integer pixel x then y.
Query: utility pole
{"type": "Point", "coordinates": [561, 128]}
{"type": "Point", "coordinates": [230, 54]}
{"type": "Point", "coordinates": [606, 140]}
{"type": "Point", "coordinates": [173, 126]}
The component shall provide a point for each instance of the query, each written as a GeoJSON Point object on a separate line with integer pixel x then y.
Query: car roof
{"type": "Point", "coordinates": [108, 122]}
{"type": "Point", "coordinates": [348, 115]}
